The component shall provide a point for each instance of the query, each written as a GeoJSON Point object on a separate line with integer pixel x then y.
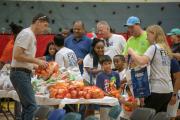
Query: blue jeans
{"type": "Point", "coordinates": [17, 110]}
{"type": "Point", "coordinates": [22, 84]}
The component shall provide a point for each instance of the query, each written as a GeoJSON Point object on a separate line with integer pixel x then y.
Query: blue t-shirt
{"type": "Point", "coordinates": [176, 49]}
{"type": "Point", "coordinates": [174, 68]}
{"type": "Point", "coordinates": [81, 47]}
{"type": "Point", "coordinates": [49, 58]}
{"type": "Point", "coordinates": [105, 81]}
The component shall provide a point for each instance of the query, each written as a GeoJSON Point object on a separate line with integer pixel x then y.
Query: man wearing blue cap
{"type": "Point", "coordinates": [138, 40]}
{"type": "Point", "coordinates": [175, 37]}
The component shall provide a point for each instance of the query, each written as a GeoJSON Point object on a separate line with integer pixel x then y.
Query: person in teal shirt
{"type": "Point", "coordinates": [175, 37]}
{"type": "Point", "coordinates": [138, 40]}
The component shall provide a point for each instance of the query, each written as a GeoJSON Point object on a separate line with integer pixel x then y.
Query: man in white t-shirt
{"type": "Point", "coordinates": [65, 57]}
{"type": "Point", "coordinates": [114, 44]}
{"type": "Point", "coordinates": [23, 60]}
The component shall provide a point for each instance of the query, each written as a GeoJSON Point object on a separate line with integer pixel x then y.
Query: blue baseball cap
{"type": "Point", "coordinates": [132, 21]}
{"type": "Point", "coordinates": [174, 31]}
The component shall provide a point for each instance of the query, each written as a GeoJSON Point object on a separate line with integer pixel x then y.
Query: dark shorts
{"type": "Point", "coordinates": [158, 101]}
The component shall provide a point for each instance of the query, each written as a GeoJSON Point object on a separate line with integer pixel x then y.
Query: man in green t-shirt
{"type": "Point", "coordinates": [138, 40]}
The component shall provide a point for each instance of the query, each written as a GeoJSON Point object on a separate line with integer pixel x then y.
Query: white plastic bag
{"type": "Point", "coordinates": [7, 84]}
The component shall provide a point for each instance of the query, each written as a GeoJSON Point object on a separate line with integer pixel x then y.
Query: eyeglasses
{"type": "Point", "coordinates": [43, 17]}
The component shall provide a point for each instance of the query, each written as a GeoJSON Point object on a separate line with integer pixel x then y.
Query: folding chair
{"type": "Point", "coordinates": [161, 116]}
{"type": "Point", "coordinates": [42, 112]}
{"type": "Point", "coordinates": [92, 118]}
{"type": "Point", "coordinates": [57, 114]}
{"type": "Point", "coordinates": [143, 114]}
{"type": "Point", "coordinates": [114, 112]}
{"type": "Point", "coordinates": [72, 116]}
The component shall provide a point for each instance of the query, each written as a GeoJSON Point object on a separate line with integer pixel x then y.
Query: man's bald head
{"type": "Point", "coordinates": [78, 29]}
{"type": "Point", "coordinates": [80, 23]}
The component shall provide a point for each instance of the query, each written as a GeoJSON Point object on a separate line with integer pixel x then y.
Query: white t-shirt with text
{"type": "Point", "coordinates": [160, 78]}
{"type": "Point", "coordinates": [116, 44]}
{"type": "Point", "coordinates": [65, 57]}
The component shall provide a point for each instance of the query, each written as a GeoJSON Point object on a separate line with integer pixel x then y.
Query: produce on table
{"type": "Point", "coordinates": [75, 90]}
{"type": "Point", "coordinates": [115, 93]}
{"type": "Point", "coordinates": [41, 81]}
{"type": "Point", "coordinates": [54, 73]}
{"type": "Point", "coordinates": [39, 86]}
{"type": "Point", "coordinates": [50, 81]}
{"type": "Point", "coordinates": [52, 69]}
{"type": "Point", "coordinates": [68, 83]}
{"type": "Point", "coordinates": [130, 104]}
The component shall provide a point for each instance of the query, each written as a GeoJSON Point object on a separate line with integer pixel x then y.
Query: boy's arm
{"type": "Point", "coordinates": [117, 81]}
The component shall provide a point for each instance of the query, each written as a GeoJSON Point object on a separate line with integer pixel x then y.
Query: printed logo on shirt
{"type": "Point", "coordinates": [110, 43]}
{"type": "Point", "coordinates": [71, 59]}
{"type": "Point", "coordinates": [110, 84]}
{"type": "Point", "coordinates": [106, 85]}
{"type": "Point", "coordinates": [164, 57]}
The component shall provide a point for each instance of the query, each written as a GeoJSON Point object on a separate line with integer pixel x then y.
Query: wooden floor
{"type": "Point", "coordinates": [2, 117]}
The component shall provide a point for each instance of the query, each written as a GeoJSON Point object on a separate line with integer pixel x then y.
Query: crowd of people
{"type": "Point", "coordinates": [102, 61]}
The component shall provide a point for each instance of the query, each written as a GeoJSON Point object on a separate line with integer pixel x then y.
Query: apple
{"type": "Point", "coordinates": [59, 96]}
{"type": "Point", "coordinates": [74, 94]}
{"type": "Point", "coordinates": [68, 95]}
{"type": "Point", "coordinates": [88, 96]}
{"type": "Point", "coordinates": [81, 94]}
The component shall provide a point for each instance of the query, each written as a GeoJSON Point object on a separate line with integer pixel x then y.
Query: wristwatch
{"type": "Point", "coordinates": [174, 94]}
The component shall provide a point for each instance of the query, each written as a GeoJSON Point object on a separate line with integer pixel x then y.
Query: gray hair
{"type": "Point", "coordinates": [103, 23]}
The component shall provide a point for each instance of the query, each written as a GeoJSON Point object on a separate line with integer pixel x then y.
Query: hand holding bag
{"type": "Point", "coordinates": [140, 80]}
